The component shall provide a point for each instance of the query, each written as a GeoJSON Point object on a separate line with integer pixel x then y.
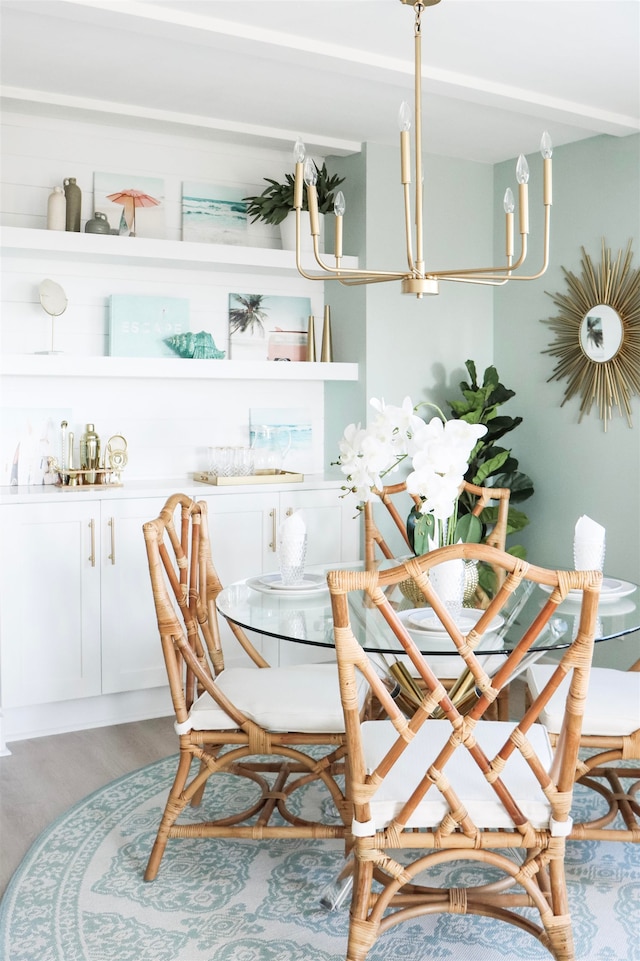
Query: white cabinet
{"type": "Point", "coordinates": [131, 652]}
{"type": "Point", "coordinates": [50, 586]}
{"type": "Point", "coordinates": [78, 627]}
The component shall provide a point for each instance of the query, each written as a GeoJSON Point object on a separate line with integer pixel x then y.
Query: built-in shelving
{"type": "Point", "coordinates": [26, 242]}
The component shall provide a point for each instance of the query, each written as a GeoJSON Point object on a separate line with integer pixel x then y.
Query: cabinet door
{"type": "Point", "coordinates": [241, 532]}
{"type": "Point", "coordinates": [50, 579]}
{"type": "Point", "coordinates": [333, 534]}
{"type": "Point", "coordinates": [131, 650]}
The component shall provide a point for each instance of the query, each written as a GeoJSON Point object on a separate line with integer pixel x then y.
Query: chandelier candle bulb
{"type": "Point", "coordinates": [546, 149]}
{"type": "Point", "coordinates": [522, 176]}
{"type": "Point", "coordinates": [509, 206]}
{"type": "Point", "coordinates": [298, 156]}
{"type": "Point", "coordinates": [338, 209]}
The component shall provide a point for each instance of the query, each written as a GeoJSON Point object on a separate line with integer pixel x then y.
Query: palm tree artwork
{"type": "Point", "coordinates": [250, 317]}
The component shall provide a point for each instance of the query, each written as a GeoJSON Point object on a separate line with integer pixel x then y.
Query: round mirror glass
{"type": "Point", "coordinates": [601, 333]}
{"type": "Point", "coordinates": [53, 298]}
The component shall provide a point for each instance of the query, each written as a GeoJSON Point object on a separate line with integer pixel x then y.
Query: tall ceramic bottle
{"type": "Point", "coordinates": [74, 202]}
{"type": "Point", "coordinates": [57, 210]}
{"type": "Point", "coordinates": [90, 454]}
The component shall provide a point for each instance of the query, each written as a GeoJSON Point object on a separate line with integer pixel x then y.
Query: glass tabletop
{"type": "Point", "coordinates": [303, 615]}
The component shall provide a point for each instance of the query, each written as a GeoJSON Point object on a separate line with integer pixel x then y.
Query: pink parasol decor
{"type": "Point", "coordinates": [130, 200]}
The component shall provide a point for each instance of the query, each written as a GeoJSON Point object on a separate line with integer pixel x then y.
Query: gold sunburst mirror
{"type": "Point", "coordinates": [598, 335]}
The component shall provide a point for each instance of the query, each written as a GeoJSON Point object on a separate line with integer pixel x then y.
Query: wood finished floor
{"type": "Point", "coordinates": [44, 777]}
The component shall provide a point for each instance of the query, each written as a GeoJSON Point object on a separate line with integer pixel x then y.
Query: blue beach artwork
{"type": "Point", "coordinates": [213, 214]}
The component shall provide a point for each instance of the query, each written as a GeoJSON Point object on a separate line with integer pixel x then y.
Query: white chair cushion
{"type": "Point", "coordinates": [612, 707]}
{"type": "Point", "coordinates": [462, 771]}
{"type": "Point", "coordinates": [301, 697]}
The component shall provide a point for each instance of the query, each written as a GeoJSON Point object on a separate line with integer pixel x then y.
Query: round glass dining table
{"type": "Point", "coordinates": [303, 615]}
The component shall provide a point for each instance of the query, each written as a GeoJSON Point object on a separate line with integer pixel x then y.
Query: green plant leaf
{"type": "Point", "coordinates": [468, 529]}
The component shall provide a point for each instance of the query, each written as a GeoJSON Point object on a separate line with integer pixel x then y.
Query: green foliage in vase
{"type": "Point", "coordinates": [276, 200]}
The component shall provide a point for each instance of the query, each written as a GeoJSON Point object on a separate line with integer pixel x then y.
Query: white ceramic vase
{"type": "Point", "coordinates": [288, 232]}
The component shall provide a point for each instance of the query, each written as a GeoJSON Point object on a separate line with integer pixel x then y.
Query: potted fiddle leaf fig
{"type": "Point", "coordinates": [275, 203]}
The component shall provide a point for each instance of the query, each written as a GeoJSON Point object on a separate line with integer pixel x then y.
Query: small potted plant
{"type": "Point", "coordinates": [275, 204]}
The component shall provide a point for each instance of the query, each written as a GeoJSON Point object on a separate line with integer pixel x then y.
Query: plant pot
{"type": "Point", "coordinates": [288, 232]}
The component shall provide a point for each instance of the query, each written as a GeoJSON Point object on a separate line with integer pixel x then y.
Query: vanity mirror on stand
{"type": "Point", "coordinates": [54, 302]}
{"type": "Point", "coordinates": [598, 335]}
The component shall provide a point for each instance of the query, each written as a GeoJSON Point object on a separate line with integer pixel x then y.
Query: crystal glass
{"type": "Point", "coordinates": [292, 551]}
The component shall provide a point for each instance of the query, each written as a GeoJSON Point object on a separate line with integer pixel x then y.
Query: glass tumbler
{"type": "Point", "coordinates": [292, 551]}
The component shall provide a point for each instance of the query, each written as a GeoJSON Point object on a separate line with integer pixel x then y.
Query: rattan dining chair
{"type": "Point", "coordinates": [429, 794]}
{"type": "Point", "coordinates": [281, 728]}
{"type": "Point", "coordinates": [611, 741]}
{"type": "Point", "coordinates": [447, 668]}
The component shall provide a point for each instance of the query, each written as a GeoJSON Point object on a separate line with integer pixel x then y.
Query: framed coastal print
{"type": "Point", "coordinates": [212, 214]}
{"type": "Point", "coordinates": [133, 204]}
{"type": "Point", "coordinates": [263, 327]}
{"type": "Point", "coordinates": [139, 326]}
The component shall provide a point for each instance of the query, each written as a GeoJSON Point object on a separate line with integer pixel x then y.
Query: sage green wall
{"type": "Point", "coordinates": [576, 468]}
{"type": "Point", "coordinates": [407, 346]}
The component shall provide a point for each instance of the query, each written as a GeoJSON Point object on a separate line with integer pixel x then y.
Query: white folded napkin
{"type": "Point", "coordinates": [588, 545]}
{"type": "Point", "coordinates": [293, 526]}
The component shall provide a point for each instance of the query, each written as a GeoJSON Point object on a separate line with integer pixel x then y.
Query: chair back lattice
{"type": "Point", "coordinates": [185, 586]}
{"type": "Point", "coordinates": [374, 539]}
{"type": "Point", "coordinates": [456, 785]}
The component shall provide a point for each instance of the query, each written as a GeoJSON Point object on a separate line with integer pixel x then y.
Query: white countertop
{"type": "Point", "coordinates": [43, 493]}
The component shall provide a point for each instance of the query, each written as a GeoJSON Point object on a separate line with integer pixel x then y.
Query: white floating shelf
{"type": "Point", "coordinates": [68, 365]}
{"type": "Point", "coordinates": [143, 250]}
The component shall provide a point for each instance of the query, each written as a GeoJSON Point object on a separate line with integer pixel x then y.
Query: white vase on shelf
{"type": "Point", "coordinates": [288, 232]}
{"type": "Point", "coordinates": [56, 210]}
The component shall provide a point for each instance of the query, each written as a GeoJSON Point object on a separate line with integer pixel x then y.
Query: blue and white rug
{"type": "Point", "coordinates": [79, 894]}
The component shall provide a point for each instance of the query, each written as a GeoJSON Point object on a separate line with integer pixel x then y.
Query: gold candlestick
{"type": "Point", "coordinates": [326, 353]}
{"type": "Point", "coordinates": [311, 340]}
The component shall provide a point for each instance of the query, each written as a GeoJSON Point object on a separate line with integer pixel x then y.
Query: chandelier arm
{"type": "Point", "coordinates": [487, 270]}
{"type": "Point", "coordinates": [491, 276]}
{"type": "Point", "coordinates": [407, 227]}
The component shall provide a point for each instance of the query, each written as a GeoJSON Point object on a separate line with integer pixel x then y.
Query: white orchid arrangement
{"type": "Point", "coordinates": [439, 451]}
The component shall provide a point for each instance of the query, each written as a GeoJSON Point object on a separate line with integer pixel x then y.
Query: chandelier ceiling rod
{"type": "Point", "coordinates": [416, 279]}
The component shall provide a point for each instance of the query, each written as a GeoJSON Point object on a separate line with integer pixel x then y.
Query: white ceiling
{"type": "Point", "coordinates": [496, 72]}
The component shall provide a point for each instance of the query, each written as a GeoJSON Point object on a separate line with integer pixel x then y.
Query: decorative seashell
{"type": "Point", "coordinates": [200, 346]}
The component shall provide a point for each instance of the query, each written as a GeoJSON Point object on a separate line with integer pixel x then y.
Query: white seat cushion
{"type": "Point", "coordinates": [612, 707]}
{"type": "Point", "coordinates": [462, 771]}
{"type": "Point", "coordinates": [301, 697]}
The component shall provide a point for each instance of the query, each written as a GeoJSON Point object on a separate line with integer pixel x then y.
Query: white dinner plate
{"type": "Point", "coordinates": [272, 584]}
{"type": "Point", "coordinates": [423, 620]}
{"type": "Point", "coordinates": [612, 589]}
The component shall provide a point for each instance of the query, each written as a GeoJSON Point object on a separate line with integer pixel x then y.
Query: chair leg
{"type": "Point", "coordinates": [362, 932]}
{"type": "Point", "coordinates": [557, 923]}
{"type": "Point", "coordinates": [173, 808]}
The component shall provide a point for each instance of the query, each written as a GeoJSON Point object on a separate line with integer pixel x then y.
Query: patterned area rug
{"type": "Point", "coordinates": [79, 894]}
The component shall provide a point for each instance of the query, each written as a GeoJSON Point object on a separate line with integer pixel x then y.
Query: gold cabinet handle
{"type": "Point", "coordinates": [112, 525]}
{"type": "Point", "coordinates": [92, 555]}
{"type": "Point", "coordinates": [274, 530]}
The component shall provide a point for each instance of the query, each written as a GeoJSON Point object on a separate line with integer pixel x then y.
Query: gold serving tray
{"type": "Point", "coordinates": [271, 476]}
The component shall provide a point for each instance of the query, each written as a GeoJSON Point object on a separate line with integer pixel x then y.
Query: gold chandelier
{"type": "Point", "coordinates": [416, 279]}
